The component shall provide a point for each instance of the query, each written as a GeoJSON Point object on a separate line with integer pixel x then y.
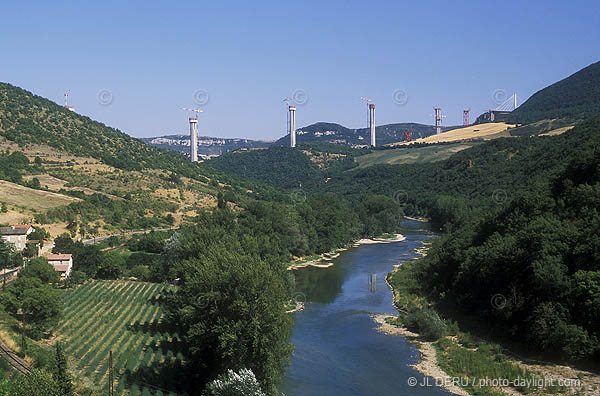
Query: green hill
{"type": "Point", "coordinates": [576, 97]}
{"type": "Point", "coordinates": [112, 180]}
{"type": "Point", "coordinates": [521, 222]}
{"type": "Point", "coordinates": [28, 119]}
{"type": "Point", "coordinates": [338, 134]}
{"type": "Point", "coordinates": [306, 166]}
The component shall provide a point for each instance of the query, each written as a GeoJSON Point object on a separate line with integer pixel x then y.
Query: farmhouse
{"type": "Point", "coordinates": [17, 234]}
{"type": "Point", "coordinates": [62, 263]}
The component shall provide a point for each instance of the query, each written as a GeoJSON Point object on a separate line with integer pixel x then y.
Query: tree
{"type": "Point", "coordinates": [63, 244]}
{"type": "Point", "coordinates": [39, 234]}
{"type": "Point", "coordinates": [4, 208]}
{"type": "Point", "coordinates": [231, 312]}
{"type": "Point", "coordinates": [9, 257]}
{"type": "Point", "coordinates": [43, 309]}
{"type": "Point", "coordinates": [61, 374]}
{"type": "Point", "coordinates": [31, 250]}
{"type": "Point", "coordinates": [111, 265]}
{"type": "Point", "coordinates": [38, 383]}
{"type": "Point", "coordinates": [35, 183]}
{"type": "Point", "coordinates": [242, 383]}
{"type": "Point", "coordinates": [76, 278]}
{"type": "Point", "coordinates": [140, 272]}
{"type": "Point", "coordinates": [41, 269]}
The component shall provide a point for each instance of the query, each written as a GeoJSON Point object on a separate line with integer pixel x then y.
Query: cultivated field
{"type": "Point", "coordinates": [485, 131]}
{"type": "Point", "coordinates": [124, 317]}
{"type": "Point", "coordinates": [411, 155]}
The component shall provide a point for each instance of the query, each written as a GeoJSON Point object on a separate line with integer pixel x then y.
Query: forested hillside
{"type": "Point", "coordinates": [107, 180]}
{"type": "Point", "coordinates": [521, 222]}
{"type": "Point", "coordinates": [538, 254]}
{"type": "Point", "coordinates": [306, 166]}
{"type": "Point", "coordinates": [576, 97]}
{"type": "Point", "coordinates": [28, 119]}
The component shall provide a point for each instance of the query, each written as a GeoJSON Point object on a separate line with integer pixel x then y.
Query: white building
{"type": "Point", "coordinates": [62, 263]}
{"type": "Point", "coordinates": [17, 234]}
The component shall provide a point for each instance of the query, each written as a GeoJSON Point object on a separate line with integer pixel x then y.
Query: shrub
{"type": "Point", "coordinates": [426, 322]}
{"type": "Point", "coordinates": [141, 272]}
{"type": "Point", "coordinates": [242, 383]}
{"type": "Point", "coordinates": [76, 278]}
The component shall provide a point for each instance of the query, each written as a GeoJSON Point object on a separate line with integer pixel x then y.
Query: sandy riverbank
{"type": "Point", "coordinates": [428, 364]}
{"type": "Point", "coordinates": [325, 259]}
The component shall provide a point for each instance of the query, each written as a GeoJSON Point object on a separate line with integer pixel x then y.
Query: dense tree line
{"type": "Point", "coordinates": [530, 267]}
{"type": "Point", "coordinates": [123, 214]}
{"type": "Point", "coordinates": [282, 167]}
{"type": "Point", "coordinates": [12, 166]}
{"type": "Point", "coordinates": [521, 222]}
{"type": "Point", "coordinates": [229, 306]}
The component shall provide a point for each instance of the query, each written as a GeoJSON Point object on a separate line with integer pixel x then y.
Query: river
{"type": "Point", "coordinates": [337, 350]}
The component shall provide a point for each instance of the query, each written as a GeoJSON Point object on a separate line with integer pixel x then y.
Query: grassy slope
{"type": "Point", "coordinates": [78, 153]}
{"type": "Point", "coordinates": [411, 155]}
{"type": "Point", "coordinates": [479, 131]}
{"type": "Point", "coordinates": [26, 118]}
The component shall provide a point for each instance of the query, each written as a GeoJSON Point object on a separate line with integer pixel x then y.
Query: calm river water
{"type": "Point", "coordinates": [337, 350]}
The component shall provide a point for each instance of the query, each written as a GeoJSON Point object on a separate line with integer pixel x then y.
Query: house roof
{"type": "Point", "coordinates": [20, 229]}
{"type": "Point", "coordinates": [61, 267]}
{"type": "Point", "coordinates": [58, 257]}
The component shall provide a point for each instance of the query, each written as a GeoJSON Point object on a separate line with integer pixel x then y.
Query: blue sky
{"type": "Point", "coordinates": [150, 58]}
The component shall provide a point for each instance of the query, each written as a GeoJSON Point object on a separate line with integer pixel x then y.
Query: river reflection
{"type": "Point", "coordinates": [337, 350]}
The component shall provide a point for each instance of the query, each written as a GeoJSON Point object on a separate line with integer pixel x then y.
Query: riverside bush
{"type": "Point", "coordinates": [426, 322]}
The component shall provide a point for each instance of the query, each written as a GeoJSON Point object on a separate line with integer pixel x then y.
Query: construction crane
{"type": "Point", "coordinates": [67, 101]}
{"type": "Point", "coordinates": [197, 111]}
{"type": "Point", "coordinates": [466, 112]}
{"type": "Point", "coordinates": [367, 100]}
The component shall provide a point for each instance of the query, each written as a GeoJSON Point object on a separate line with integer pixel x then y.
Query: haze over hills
{"type": "Point", "coordinates": [207, 145]}
{"type": "Point", "coordinates": [326, 132]}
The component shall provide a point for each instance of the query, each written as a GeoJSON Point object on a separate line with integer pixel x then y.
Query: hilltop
{"type": "Point", "coordinates": [68, 171]}
{"type": "Point", "coordinates": [576, 97]}
{"type": "Point", "coordinates": [326, 132]}
{"type": "Point", "coordinates": [207, 145]}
